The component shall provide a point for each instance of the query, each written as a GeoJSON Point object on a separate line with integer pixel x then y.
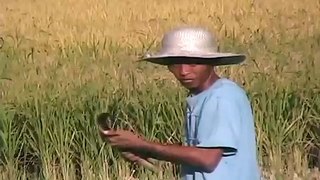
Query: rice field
{"type": "Point", "coordinates": [63, 62]}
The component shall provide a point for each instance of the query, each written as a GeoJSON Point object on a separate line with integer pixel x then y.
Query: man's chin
{"type": "Point", "coordinates": [189, 86]}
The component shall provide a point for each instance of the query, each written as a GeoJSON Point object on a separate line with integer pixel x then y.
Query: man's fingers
{"type": "Point", "coordinates": [127, 154]}
{"type": "Point", "coordinates": [130, 156]}
{"type": "Point", "coordinates": [139, 160]}
{"type": "Point", "coordinates": [147, 164]}
{"type": "Point", "coordinates": [108, 132]}
{"type": "Point", "coordinates": [151, 160]}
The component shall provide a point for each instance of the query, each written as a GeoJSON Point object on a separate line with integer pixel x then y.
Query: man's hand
{"type": "Point", "coordinates": [123, 139]}
{"type": "Point", "coordinates": [126, 140]}
{"type": "Point", "coordinates": [205, 159]}
{"type": "Point", "coordinates": [146, 162]}
{"type": "Point", "coordinates": [130, 156]}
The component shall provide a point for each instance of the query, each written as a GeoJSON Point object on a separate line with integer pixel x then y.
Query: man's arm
{"type": "Point", "coordinates": [220, 133]}
{"type": "Point", "coordinates": [205, 159]}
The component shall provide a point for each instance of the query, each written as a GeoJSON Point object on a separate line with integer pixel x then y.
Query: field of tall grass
{"type": "Point", "coordinates": [62, 62]}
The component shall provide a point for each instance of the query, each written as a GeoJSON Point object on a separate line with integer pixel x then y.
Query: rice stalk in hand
{"type": "Point", "coordinates": [105, 121]}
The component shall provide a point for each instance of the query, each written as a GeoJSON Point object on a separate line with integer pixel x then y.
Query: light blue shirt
{"type": "Point", "coordinates": [221, 116]}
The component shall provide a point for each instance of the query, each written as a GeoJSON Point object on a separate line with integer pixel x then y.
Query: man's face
{"type": "Point", "coordinates": [191, 76]}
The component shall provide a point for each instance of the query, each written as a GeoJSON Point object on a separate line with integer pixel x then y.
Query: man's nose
{"type": "Point", "coordinates": [184, 69]}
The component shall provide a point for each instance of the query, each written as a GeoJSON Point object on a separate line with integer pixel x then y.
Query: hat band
{"type": "Point", "coordinates": [186, 52]}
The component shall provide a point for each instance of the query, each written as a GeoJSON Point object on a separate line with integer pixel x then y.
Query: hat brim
{"type": "Point", "coordinates": [217, 59]}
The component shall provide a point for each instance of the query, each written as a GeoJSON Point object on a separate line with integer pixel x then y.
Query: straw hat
{"type": "Point", "coordinates": [191, 45]}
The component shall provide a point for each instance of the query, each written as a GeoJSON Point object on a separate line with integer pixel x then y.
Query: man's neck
{"type": "Point", "coordinates": [211, 80]}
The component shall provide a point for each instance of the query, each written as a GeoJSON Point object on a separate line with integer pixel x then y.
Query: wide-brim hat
{"type": "Point", "coordinates": [191, 45]}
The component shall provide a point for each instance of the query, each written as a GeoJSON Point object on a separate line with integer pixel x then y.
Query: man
{"type": "Point", "coordinates": [220, 136]}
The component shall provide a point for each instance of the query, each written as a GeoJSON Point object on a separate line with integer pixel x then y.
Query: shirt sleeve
{"type": "Point", "coordinates": [220, 125]}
